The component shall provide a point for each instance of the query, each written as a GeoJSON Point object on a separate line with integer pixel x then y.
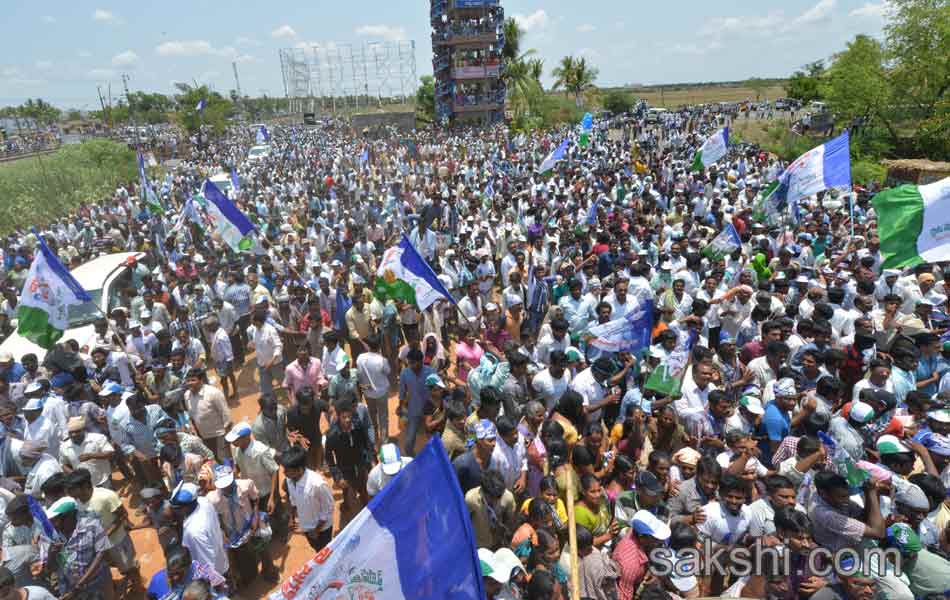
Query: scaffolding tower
{"type": "Point", "coordinates": [467, 62]}
{"type": "Point", "coordinates": [329, 77]}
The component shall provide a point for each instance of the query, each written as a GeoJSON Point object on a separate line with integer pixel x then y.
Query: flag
{"type": "Point", "coordinates": [592, 212]}
{"type": "Point", "coordinates": [234, 179]}
{"type": "Point", "coordinates": [556, 155]}
{"type": "Point", "coordinates": [343, 304]}
{"type": "Point", "coordinates": [723, 244]}
{"type": "Point", "coordinates": [714, 148]}
{"type": "Point", "coordinates": [148, 194]}
{"type": "Point", "coordinates": [587, 124]}
{"type": "Point", "coordinates": [189, 213]}
{"type": "Point", "coordinates": [201, 106]}
{"type": "Point", "coordinates": [769, 205]}
{"type": "Point", "coordinates": [37, 512]}
{"type": "Point", "coordinates": [490, 189]}
{"type": "Point", "coordinates": [48, 292]}
{"type": "Point", "coordinates": [913, 222]}
{"type": "Point", "coordinates": [821, 168]}
{"type": "Point", "coordinates": [263, 136]}
{"type": "Point", "coordinates": [667, 377]}
{"type": "Point", "coordinates": [630, 333]}
{"type": "Point", "coordinates": [228, 220]}
{"type": "Point", "coordinates": [413, 540]}
{"type": "Point", "coordinates": [404, 275]}
{"type": "Point", "coordinates": [364, 156]}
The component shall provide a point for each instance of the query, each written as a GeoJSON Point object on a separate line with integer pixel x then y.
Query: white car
{"type": "Point", "coordinates": [257, 153]}
{"type": "Point", "coordinates": [223, 182]}
{"type": "Point", "coordinates": [102, 277]}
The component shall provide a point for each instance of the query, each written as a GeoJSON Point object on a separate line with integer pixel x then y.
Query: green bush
{"type": "Point", "coordinates": [865, 172]}
{"type": "Point", "coordinates": [618, 101]}
{"type": "Point", "coordinates": [34, 191]}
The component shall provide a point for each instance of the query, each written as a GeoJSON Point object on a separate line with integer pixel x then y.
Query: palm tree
{"type": "Point", "coordinates": [583, 79]}
{"type": "Point", "coordinates": [513, 34]}
{"type": "Point", "coordinates": [536, 68]}
{"type": "Point", "coordinates": [564, 74]}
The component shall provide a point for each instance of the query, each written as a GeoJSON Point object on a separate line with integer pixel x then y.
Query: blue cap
{"type": "Point", "coordinates": [485, 429]}
{"type": "Point", "coordinates": [110, 387]}
{"type": "Point", "coordinates": [238, 431]}
{"type": "Point", "coordinates": [185, 493]}
{"type": "Point", "coordinates": [61, 379]}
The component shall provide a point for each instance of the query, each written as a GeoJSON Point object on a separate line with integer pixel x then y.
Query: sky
{"type": "Point", "coordinates": [61, 51]}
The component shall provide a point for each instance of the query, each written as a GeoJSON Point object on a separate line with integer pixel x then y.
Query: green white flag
{"type": "Point", "coordinates": [913, 222]}
{"type": "Point", "coordinates": [48, 292]}
{"type": "Point", "coordinates": [714, 148]}
{"type": "Point", "coordinates": [724, 244]}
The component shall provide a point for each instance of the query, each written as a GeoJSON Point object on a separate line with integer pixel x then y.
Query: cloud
{"type": "Point", "coordinates": [246, 41]}
{"type": "Point", "coordinates": [49, 19]}
{"type": "Point", "coordinates": [44, 65]}
{"type": "Point", "coordinates": [620, 24]}
{"type": "Point", "coordinates": [720, 26]}
{"type": "Point", "coordinates": [586, 28]}
{"type": "Point", "coordinates": [871, 10]}
{"type": "Point", "coordinates": [536, 20]}
{"type": "Point", "coordinates": [125, 59]}
{"type": "Point", "coordinates": [100, 74]}
{"type": "Point", "coordinates": [193, 48]}
{"type": "Point", "coordinates": [209, 76]}
{"type": "Point", "coordinates": [816, 13]}
{"type": "Point", "coordinates": [283, 32]}
{"type": "Point", "coordinates": [9, 72]}
{"type": "Point", "coordinates": [386, 32]}
{"type": "Point", "coordinates": [106, 16]}
{"type": "Point", "coordinates": [696, 49]}
{"type": "Point", "coordinates": [85, 54]}
{"type": "Point", "coordinates": [588, 53]}
{"type": "Point", "coordinates": [325, 46]}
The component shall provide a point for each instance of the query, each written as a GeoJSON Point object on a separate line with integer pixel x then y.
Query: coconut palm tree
{"type": "Point", "coordinates": [536, 68]}
{"type": "Point", "coordinates": [513, 34]}
{"type": "Point", "coordinates": [564, 74]}
{"type": "Point", "coordinates": [583, 79]}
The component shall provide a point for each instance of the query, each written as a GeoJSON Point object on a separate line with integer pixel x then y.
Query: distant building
{"type": "Point", "coordinates": [467, 40]}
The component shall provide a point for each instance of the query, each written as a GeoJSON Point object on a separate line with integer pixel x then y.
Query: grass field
{"type": "Point", "coordinates": [672, 97]}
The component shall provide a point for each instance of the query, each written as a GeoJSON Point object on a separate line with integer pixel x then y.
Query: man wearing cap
{"type": "Point", "coordinates": [470, 466]}
{"type": "Point", "coordinates": [80, 562]}
{"type": "Point", "coordinates": [10, 370]}
{"type": "Point", "coordinates": [928, 573]}
{"type": "Point", "coordinates": [248, 537]}
{"type": "Point", "coordinates": [258, 462]}
{"type": "Point", "coordinates": [846, 430]}
{"type": "Point", "coordinates": [390, 463]}
{"type": "Point", "coordinates": [631, 553]}
{"type": "Point", "coordinates": [19, 537]}
{"type": "Point", "coordinates": [200, 527]}
{"type": "Point", "coordinates": [87, 450]}
{"type": "Point", "coordinates": [38, 426]}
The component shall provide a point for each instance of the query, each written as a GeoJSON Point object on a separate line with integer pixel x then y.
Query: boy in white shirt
{"type": "Point", "coordinates": [311, 499]}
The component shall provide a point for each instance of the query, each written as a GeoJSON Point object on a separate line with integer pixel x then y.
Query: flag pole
{"type": "Point", "coordinates": [572, 534]}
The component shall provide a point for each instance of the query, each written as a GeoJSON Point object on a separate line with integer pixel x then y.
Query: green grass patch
{"type": "Point", "coordinates": [35, 191]}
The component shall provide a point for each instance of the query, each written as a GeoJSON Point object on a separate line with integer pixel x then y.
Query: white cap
{"type": "Point", "coordinates": [238, 431]}
{"type": "Point", "coordinates": [390, 459]}
{"type": "Point", "coordinates": [646, 523]}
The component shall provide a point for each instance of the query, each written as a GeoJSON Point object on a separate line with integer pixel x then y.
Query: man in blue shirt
{"type": "Point", "coordinates": [413, 396]}
{"type": "Point", "coordinates": [777, 419]}
{"type": "Point", "coordinates": [11, 371]}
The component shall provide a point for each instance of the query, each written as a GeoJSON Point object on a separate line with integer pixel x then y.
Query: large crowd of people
{"type": "Point", "coordinates": [812, 412]}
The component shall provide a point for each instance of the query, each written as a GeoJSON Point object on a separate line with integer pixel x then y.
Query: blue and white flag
{"type": "Point", "coordinates": [723, 244]}
{"type": "Point", "coordinates": [263, 136]}
{"type": "Point", "coordinates": [592, 212]}
{"type": "Point", "coordinates": [557, 154]}
{"type": "Point", "coordinates": [201, 105]}
{"type": "Point", "coordinates": [630, 333]}
{"type": "Point", "coordinates": [413, 541]}
{"type": "Point", "coordinates": [148, 194]}
{"type": "Point", "coordinates": [490, 189]}
{"type": "Point", "coordinates": [822, 168]}
{"type": "Point", "coordinates": [227, 220]}
{"type": "Point", "coordinates": [364, 156]}
{"type": "Point", "coordinates": [234, 180]}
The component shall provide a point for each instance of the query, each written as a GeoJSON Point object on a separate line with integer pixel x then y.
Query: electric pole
{"type": "Point", "coordinates": [237, 84]}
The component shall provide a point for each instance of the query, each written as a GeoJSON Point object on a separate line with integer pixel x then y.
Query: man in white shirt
{"type": "Point", "coordinates": [727, 519]}
{"type": "Point", "coordinates": [270, 351]}
{"type": "Point", "coordinates": [201, 530]}
{"type": "Point", "coordinates": [695, 397]}
{"type": "Point", "coordinates": [591, 384]}
{"type": "Point", "coordinates": [552, 382]}
{"type": "Point", "coordinates": [311, 499]}
{"type": "Point", "coordinates": [510, 456]}
{"type": "Point", "coordinates": [391, 462]}
{"type": "Point", "coordinates": [781, 493]}
{"type": "Point", "coordinates": [87, 450]}
{"type": "Point", "coordinates": [373, 373]}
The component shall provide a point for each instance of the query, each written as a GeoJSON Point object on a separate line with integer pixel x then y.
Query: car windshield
{"type": "Point", "coordinates": [222, 184]}
{"type": "Point", "coordinates": [87, 312]}
{"type": "Point", "coordinates": [257, 151]}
